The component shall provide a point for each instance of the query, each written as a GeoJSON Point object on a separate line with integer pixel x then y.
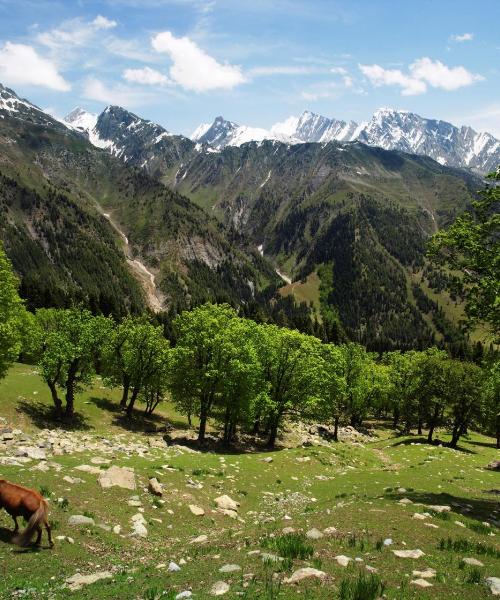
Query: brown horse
{"type": "Point", "coordinates": [19, 501]}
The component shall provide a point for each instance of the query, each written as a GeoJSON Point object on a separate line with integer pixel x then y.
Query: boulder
{"type": "Point", "coordinates": [196, 510]}
{"type": "Point", "coordinates": [305, 573]}
{"type": "Point", "coordinates": [314, 534]}
{"type": "Point", "coordinates": [342, 560]}
{"type": "Point", "coordinates": [494, 585]}
{"type": "Point", "coordinates": [155, 487]}
{"type": "Point", "coordinates": [226, 503]}
{"type": "Point", "coordinates": [123, 477]}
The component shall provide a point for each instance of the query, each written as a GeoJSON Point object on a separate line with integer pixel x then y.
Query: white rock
{"type": "Point", "coordinates": [426, 574]}
{"type": "Point", "coordinates": [229, 568]}
{"type": "Point", "coordinates": [72, 480]}
{"type": "Point", "coordinates": [473, 562]}
{"type": "Point", "coordinates": [97, 460]}
{"type": "Point", "coordinates": [80, 520]}
{"type": "Point", "coordinates": [219, 588]}
{"type": "Point", "coordinates": [117, 529]}
{"type": "Point", "coordinates": [439, 508]}
{"type": "Point", "coordinates": [342, 560]}
{"type": "Point", "coordinates": [196, 510]}
{"type": "Point", "coordinates": [314, 534]}
{"type": "Point", "coordinates": [122, 477]}
{"type": "Point", "coordinates": [422, 583]}
{"type": "Point", "coordinates": [76, 582]}
{"type": "Point", "coordinates": [405, 501]}
{"type": "Point", "coordinates": [494, 585]}
{"type": "Point", "coordinates": [409, 553]}
{"type": "Point", "coordinates": [419, 516]}
{"type": "Point", "coordinates": [155, 487]}
{"type": "Point", "coordinates": [288, 530]}
{"type": "Point", "coordinates": [388, 541]}
{"type": "Point", "coordinates": [173, 567]}
{"type": "Point", "coordinates": [305, 573]}
{"type": "Point", "coordinates": [89, 469]}
{"type": "Point", "coordinates": [330, 531]}
{"type": "Point", "coordinates": [185, 594]}
{"type": "Point", "coordinates": [226, 503]}
{"type": "Point", "coordinates": [200, 539]}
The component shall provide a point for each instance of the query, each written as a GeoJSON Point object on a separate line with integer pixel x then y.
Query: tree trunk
{"type": "Point", "coordinates": [133, 398]}
{"type": "Point", "coordinates": [126, 387]}
{"type": "Point", "coordinates": [455, 436]}
{"type": "Point", "coordinates": [395, 418]}
{"type": "Point", "coordinates": [420, 426]}
{"type": "Point", "coordinates": [498, 430]}
{"type": "Point", "coordinates": [431, 432]}
{"type": "Point", "coordinates": [273, 433]}
{"type": "Point", "coordinates": [336, 428]}
{"type": "Point", "coordinates": [70, 389]}
{"type": "Point", "coordinates": [55, 398]}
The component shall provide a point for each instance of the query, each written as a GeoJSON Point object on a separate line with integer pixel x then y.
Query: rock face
{"type": "Point", "coordinates": [305, 573]}
{"type": "Point", "coordinates": [117, 476]}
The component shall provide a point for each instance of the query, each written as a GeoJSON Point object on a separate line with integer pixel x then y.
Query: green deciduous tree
{"type": "Point", "coordinates": [14, 320]}
{"type": "Point", "coordinates": [470, 248]}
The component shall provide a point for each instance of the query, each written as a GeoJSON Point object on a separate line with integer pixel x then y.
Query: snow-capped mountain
{"type": "Point", "coordinates": [14, 106]}
{"type": "Point", "coordinates": [390, 129]}
{"type": "Point", "coordinates": [81, 119]}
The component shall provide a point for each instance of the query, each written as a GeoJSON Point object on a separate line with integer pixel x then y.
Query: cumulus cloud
{"type": "Point", "coordinates": [22, 65]}
{"type": "Point", "coordinates": [145, 76]}
{"type": "Point", "coordinates": [422, 73]}
{"type": "Point", "coordinates": [101, 22]}
{"type": "Point", "coordinates": [192, 68]}
{"type": "Point", "coordinates": [75, 32]}
{"type": "Point", "coordinates": [95, 89]}
{"type": "Point", "coordinates": [464, 37]}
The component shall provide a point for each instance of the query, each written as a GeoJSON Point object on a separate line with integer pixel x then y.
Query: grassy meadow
{"type": "Point", "coordinates": [369, 492]}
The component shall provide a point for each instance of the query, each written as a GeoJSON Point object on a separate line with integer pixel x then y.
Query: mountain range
{"type": "Point", "coordinates": [325, 236]}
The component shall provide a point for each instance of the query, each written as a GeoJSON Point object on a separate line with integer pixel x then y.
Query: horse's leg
{"type": "Point", "coordinates": [38, 536]}
{"type": "Point", "coordinates": [49, 533]}
{"type": "Point", "coordinates": [16, 524]}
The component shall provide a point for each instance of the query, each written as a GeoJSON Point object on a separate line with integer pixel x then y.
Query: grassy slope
{"type": "Point", "coordinates": [354, 498]}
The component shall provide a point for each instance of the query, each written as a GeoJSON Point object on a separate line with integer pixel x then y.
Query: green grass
{"type": "Point", "coordinates": [360, 499]}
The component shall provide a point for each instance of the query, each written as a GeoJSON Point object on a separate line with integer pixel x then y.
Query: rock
{"type": "Point", "coordinates": [473, 562]}
{"type": "Point", "coordinates": [219, 588]}
{"type": "Point", "coordinates": [228, 513]}
{"type": "Point", "coordinates": [122, 477]}
{"type": "Point", "coordinates": [89, 469]}
{"type": "Point", "coordinates": [459, 523]}
{"type": "Point", "coordinates": [196, 510]}
{"type": "Point", "coordinates": [405, 501]}
{"type": "Point", "coordinates": [303, 459]}
{"type": "Point", "coordinates": [426, 574]}
{"type": "Point", "coordinates": [226, 503]}
{"type": "Point", "coordinates": [200, 539]}
{"type": "Point", "coordinates": [155, 487]}
{"type": "Point", "coordinates": [173, 567]}
{"type": "Point", "coordinates": [97, 460]}
{"type": "Point", "coordinates": [76, 582]}
{"type": "Point", "coordinates": [494, 465]}
{"type": "Point", "coordinates": [32, 452]}
{"type": "Point", "coordinates": [268, 459]}
{"type": "Point", "coordinates": [185, 594]}
{"type": "Point", "coordinates": [494, 585]}
{"type": "Point", "coordinates": [388, 542]}
{"type": "Point", "coordinates": [330, 531]}
{"type": "Point", "coordinates": [342, 560]}
{"type": "Point", "coordinates": [371, 569]}
{"type": "Point", "coordinates": [65, 538]}
{"type": "Point", "coordinates": [419, 516]}
{"type": "Point", "coordinates": [139, 525]}
{"type": "Point", "coordinates": [439, 508]}
{"type": "Point", "coordinates": [314, 534]}
{"type": "Point", "coordinates": [117, 529]}
{"type": "Point", "coordinates": [72, 480]}
{"type": "Point", "coordinates": [288, 530]}
{"type": "Point", "coordinates": [80, 520]}
{"type": "Point", "coordinates": [409, 553]}
{"type": "Point", "coordinates": [422, 583]}
{"type": "Point", "coordinates": [229, 569]}
{"type": "Point", "coordinates": [305, 573]}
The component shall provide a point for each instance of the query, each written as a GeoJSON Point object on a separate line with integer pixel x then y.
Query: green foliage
{"type": "Point", "coordinates": [364, 587]}
{"type": "Point", "coordinates": [14, 321]}
{"type": "Point", "coordinates": [470, 249]}
{"type": "Point", "coordinates": [290, 545]}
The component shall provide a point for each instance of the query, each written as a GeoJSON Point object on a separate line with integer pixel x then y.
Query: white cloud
{"type": "Point", "coordinates": [145, 76]}
{"type": "Point", "coordinates": [101, 22]}
{"type": "Point", "coordinates": [95, 89]}
{"type": "Point", "coordinates": [464, 37]}
{"type": "Point", "coordinates": [379, 76]}
{"type": "Point", "coordinates": [422, 73]}
{"type": "Point", "coordinates": [438, 75]}
{"type": "Point", "coordinates": [282, 70]}
{"type": "Point", "coordinates": [192, 68]}
{"type": "Point", "coordinates": [344, 73]}
{"type": "Point", "coordinates": [22, 65]}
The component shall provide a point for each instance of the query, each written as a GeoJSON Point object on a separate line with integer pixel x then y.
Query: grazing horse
{"type": "Point", "coordinates": [19, 501]}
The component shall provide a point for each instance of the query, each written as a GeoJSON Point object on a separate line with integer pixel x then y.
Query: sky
{"type": "Point", "coordinates": [256, 62]}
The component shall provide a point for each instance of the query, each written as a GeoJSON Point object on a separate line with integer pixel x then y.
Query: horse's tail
{"type": "Point", "coordinates": [38, 517]}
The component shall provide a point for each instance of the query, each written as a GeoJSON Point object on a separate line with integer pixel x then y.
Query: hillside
{"type": "Point", "coordinates": [78, 198]}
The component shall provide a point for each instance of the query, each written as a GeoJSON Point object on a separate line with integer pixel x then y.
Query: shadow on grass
{"type": "Point", "coordinates": [483, 444]}
{"type": "Point", "coordinates": [437, 442]}
{"type": "Point", "coordinates": [473, 508]}
{"type": "Point", "coordinates": [6, 537]}
{"type": "Point", "coordinates": [44, 417]}
{"type": "Point", "coordinates": [140, 422]}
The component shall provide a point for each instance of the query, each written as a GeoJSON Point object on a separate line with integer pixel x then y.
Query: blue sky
{"type": "Point", "coordinates": [182, 62]}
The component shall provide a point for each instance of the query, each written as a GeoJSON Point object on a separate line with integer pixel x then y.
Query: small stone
{"type": "Point", "coordinates": [173, 567]}
{"type": "Point", "coordinates": [185, 594]}
{"type": "Point", "coordinates": [439, 508]}
{"type": "Point", "coordinates": [330, 531]}
{"type": "Point", "coordinates": [422, 583]}
{"type": "Point", "coordinates": [473, 562]}
{"type": "Point", "coordinates": [419, 516]}
{"type": "Point", "coordinates": [155, 487]}
{"type": "Point", "coordinates": [494, 585]}
{"type": "Point", "coordinates": [405, 501]}
{"type": "Point", "coordinates": [226, 503]}
{"type": "Point", "coordinates": [89, 469]}
{"type": "Point", "coordinates": [314, 534]}
{"type": "Point", "coordinates": [219, 588]}
{"type": "Point", "coordinates": [80, 520]}
{"type": "Point", "coordinates": [200, 539]}
{"type": "Point", "coordinates": [288, 530]}
{"type": "Point", "coordinates": [305, 573]}
{"type": "Point", "coordinates": [409, 553]}
{"type": "Point", "coordinates": [117, 529]}
{"type": "Point", "coordinates": [268, 459]}
{"type": "Point", "coordinates": [97, 460]}
{"type": "Point", "coordinates": [388, 542]}
{"type": "Point", "coordinates": [426, 574]}
{"type": "Point", "coordinates": [76, 582]}
{"type": "Point", "coordinates": [342, 560]}
{"type": "Point", "coordinates": [196, 510]}
{"type": "Point", "coordinates": [229, 568]}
